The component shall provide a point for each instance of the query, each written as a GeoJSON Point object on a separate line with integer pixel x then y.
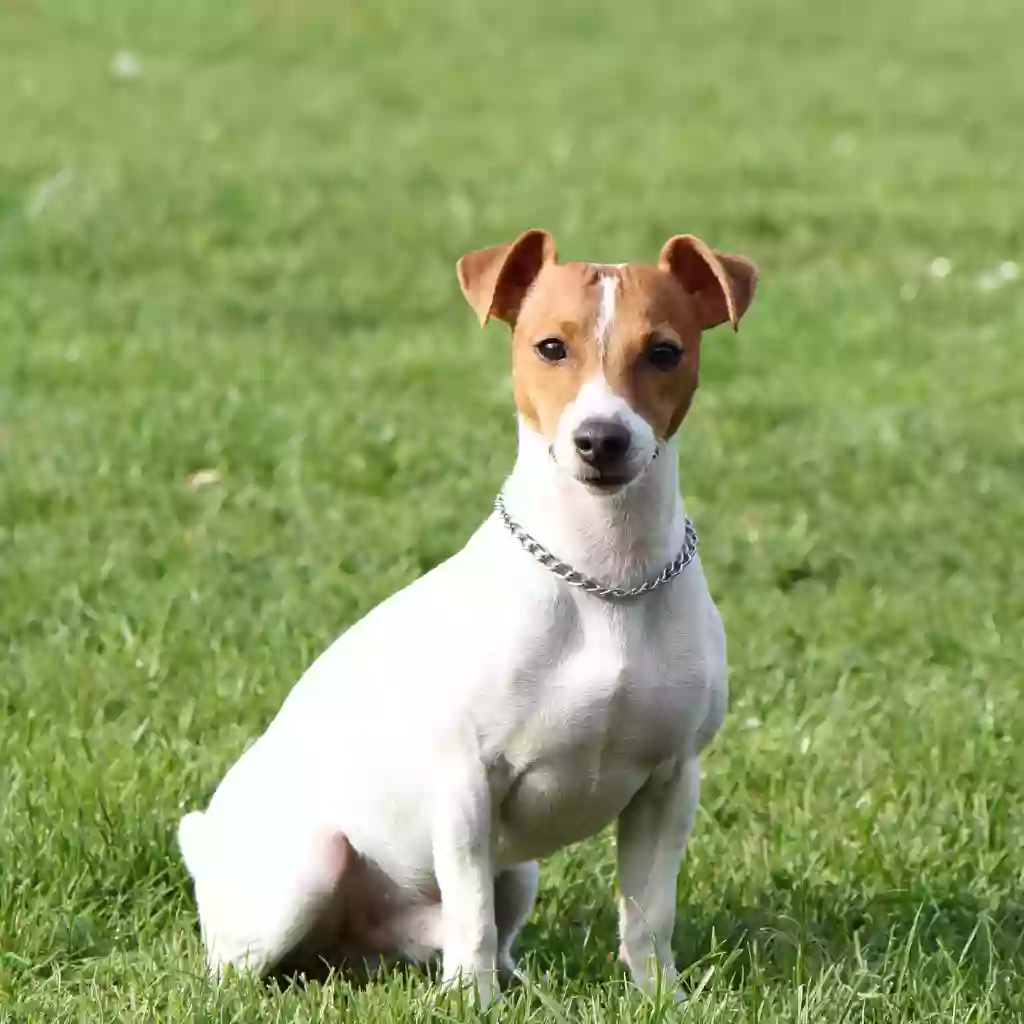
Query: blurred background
{"type": "Point", "coordinates": [242, 401]}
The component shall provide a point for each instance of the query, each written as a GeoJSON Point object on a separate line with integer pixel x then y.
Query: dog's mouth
{"type": "Point", "coordinates": [606, 482]}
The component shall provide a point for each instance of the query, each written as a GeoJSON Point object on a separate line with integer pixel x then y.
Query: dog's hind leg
{"type": "Point", "coordinates": [515, 892]}
{"type": "Point", "coordinates": [257, 903]}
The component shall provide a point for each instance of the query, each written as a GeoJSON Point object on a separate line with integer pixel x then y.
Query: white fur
{"type": "Point", "coordinates": [480, 719]}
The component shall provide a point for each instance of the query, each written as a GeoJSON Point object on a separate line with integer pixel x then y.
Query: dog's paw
{"type": "Point", "coordinates": [508, 972]}
{"type": "Point", "coordinates": [484, 982]}
{"type": "Point", "coordinates": [654, 978]}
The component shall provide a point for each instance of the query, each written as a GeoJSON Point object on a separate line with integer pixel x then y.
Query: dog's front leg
{"type": "Point", "coordinates": [463, 865]}
{"type": "Point", "coordinates": [652, 832]}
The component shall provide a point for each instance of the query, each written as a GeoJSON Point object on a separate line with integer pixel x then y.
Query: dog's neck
{"type": "Point", "coordinates": [622, 539]}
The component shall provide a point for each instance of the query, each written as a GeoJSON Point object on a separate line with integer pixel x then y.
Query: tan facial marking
{"type": "Point", "coordinates": [608, 317]}
{"type": "Point", "coordinates": [651, 307]}
{"type": "Point", "coordinates": [564, 303]}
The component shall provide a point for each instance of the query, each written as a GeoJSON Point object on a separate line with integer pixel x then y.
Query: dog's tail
{"type": "Point", "coordinates": [192, 840]}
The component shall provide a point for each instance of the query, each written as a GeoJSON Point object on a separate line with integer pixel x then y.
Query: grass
{"type": "Point", "coordinates": [240, 258]}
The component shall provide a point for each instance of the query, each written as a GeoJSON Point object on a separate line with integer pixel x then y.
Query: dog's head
{"type": "Point", "coordinates": [605, 358]}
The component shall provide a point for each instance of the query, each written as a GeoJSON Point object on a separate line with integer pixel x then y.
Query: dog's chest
{"type": "Point", "coordinates": [618, 694]}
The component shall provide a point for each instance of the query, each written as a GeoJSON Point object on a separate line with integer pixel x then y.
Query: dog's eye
{"type": "Point", "coordinates": [664, 355]}
{"type": "Point", "coordinates": [551, 350]}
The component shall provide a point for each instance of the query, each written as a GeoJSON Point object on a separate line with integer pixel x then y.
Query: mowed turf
{"type": "Point", "coordinates": [227, 244]}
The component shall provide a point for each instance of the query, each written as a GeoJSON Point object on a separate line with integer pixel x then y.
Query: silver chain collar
{"type": "Point", "coordinates": [575, 578]}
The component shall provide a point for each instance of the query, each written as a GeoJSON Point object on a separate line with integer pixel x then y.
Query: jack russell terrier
{"type": "Point", "coordinates": [562, 671]}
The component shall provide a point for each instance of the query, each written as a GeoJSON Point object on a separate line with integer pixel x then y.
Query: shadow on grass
{"type": "Point", "coordinates": [796, 930]}
{"type": "Point", "coordinates": [786, 934]}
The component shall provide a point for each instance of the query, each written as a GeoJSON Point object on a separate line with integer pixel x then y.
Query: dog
{"type": "Point", "coordinates": [563, 671]}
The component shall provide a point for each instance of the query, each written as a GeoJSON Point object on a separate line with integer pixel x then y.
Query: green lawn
{"type": "Point", "coordinates": [232, 248]}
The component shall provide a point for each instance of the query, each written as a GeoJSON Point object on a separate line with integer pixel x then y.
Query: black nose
{"type": "Point", "coordinates": [601, 443]}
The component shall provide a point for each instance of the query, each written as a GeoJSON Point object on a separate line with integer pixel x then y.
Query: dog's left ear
{"type": "Point", "coordinates": [495, 280]}
{"type": "Point", "coordinates": [722, 284]}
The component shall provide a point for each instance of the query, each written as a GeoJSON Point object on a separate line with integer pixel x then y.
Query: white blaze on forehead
{"type": "Point", "coordinates": [609, 282]}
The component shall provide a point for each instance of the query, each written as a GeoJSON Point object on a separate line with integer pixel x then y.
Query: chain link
{"type": "Point", "coordinates": [575, 578]}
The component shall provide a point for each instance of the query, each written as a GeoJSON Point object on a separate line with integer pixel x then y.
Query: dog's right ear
{"type": "Point", "coordinates": [495, 280]}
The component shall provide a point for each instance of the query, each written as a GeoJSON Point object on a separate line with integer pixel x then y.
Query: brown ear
{"type": "Point", "coordinates": [495, 280]}
{"type": "Point", "coordinates": [722, 284]}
